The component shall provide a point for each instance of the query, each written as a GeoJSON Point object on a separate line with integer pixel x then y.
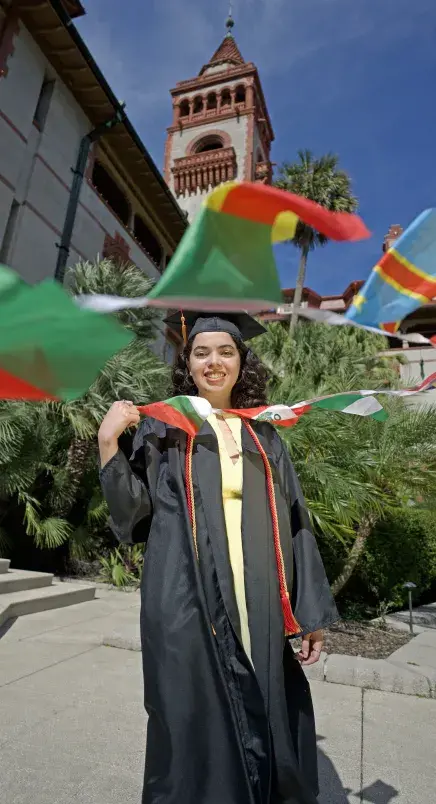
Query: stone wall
{"type": "Point", "coordinates": [36, 172]}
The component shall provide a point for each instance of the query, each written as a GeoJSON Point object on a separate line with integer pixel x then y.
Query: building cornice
{"type": "Point", "coordinates": [220, 77]}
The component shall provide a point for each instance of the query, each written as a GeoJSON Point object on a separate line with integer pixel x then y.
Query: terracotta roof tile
{"type": "Point", "coordinates": [228, 51]}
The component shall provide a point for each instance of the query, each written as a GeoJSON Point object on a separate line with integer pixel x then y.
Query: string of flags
{"type": "Point", "coordinates": [53, 346]}
{"type": "Point", "coordinates": [190, 412]}
{"type": "Point", "coordinates": [225, 260]}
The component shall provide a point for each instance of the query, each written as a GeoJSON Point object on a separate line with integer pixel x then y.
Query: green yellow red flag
{"type": "Point", "coordinates": [225, 260]}
{"type": "Point", "coordinates": [49, 347]}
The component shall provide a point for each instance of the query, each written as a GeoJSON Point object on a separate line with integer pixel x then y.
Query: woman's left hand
{"type": "Point", "coordinates": [311, 648]}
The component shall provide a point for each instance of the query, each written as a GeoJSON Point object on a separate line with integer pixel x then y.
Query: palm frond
{"type": "Point", "coordinates": [52, 532]}
{"type": "Point", "coordinates": [321, 180]}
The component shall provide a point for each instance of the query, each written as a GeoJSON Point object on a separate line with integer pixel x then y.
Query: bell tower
{"type": "Point", "coordinates": [221, 129]}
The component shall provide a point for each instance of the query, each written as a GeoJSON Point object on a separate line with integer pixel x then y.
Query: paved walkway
{"type": "Point", "coordinates": [72, 725]}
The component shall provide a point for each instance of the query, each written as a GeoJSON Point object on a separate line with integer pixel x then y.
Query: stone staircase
{"type": "Point", "coordinates": [23, 592]}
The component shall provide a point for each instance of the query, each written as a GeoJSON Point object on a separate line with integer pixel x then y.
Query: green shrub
{"type": "Point", "coordinates": [401, 548]}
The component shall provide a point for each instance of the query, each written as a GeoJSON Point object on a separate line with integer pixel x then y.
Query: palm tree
{"type": "Point", "coordinates": [353, 471]}
{"type": "Point", "coordinates": [321, 359]}
{"type": "Point", "coordinates": [48, 453]}
{"type": "Point", "coordinates": [320, 180]}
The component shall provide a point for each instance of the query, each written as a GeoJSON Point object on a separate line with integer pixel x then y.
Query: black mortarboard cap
{"type": "Point", "coordinates": [239, 325]}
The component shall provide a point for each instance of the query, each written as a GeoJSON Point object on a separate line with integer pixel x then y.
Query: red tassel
{"type": "Point", "coordinates": [291, 625]}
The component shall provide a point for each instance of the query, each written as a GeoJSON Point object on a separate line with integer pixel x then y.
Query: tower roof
{"type": "Point", "coordinates": [227, 53]}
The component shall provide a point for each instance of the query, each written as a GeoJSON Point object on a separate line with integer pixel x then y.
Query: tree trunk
{"type": "Point", "coordinates": [298, 289]}
{"type": "Point", "coordinates": [356, 551]}
{"type": "Point", "coordinates": [76, 463]}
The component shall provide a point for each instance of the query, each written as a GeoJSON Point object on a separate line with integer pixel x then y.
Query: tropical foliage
{"type": "Point", "coordinates": [369, 485]}
{"type": "Point", "coordinates": [123, 566]}
{"type": "Point", "coordinates": [49, 490]}
{"type": "Point", "coordinates": [355, 473]}
{"type": "Point", "coordinates": [321, 180]}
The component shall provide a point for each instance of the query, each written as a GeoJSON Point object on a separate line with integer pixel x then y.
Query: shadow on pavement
{"type": "Point", "coordinates": [379, 793]}
{"type": "Point", "coordinates": [332, 790]}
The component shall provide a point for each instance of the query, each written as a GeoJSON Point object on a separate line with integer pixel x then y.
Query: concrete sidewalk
{"type": "Point", "coordinates": [72, 727]}
{"type": "Point", "coordinates": [411, 670]}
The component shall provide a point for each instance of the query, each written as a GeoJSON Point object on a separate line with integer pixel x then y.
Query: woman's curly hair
{"type": "Point", "coordinates": [250, 388]}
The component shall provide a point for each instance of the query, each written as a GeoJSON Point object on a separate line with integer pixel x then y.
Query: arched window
{"type": "Point", "coordinates": [147, 240]}
{"type": "Point", "coordinates": [226, 98]}
{"type": "Point", "coordinates": [240, 94]}
{"type": "Point", "coordinates": [211, 101]}
{"type": "Point", "coordinates": [109, 190]}
{"type": "Point", "coordinates": [198, 105]}
{"type": "Point", "coordinates": [184, 108]}
{"type": "Point", "coordinates": [211, 143]}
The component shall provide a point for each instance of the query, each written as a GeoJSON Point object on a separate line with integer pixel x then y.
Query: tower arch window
{"type": "Point", "coordinates": [107, 187]}
{"type": "Point", "coordinates": [211, 143]}
{"type": "Point", "coordinates": [240, 94]}
{"type": "Point", "coordinates": [184, 108]}
{"type": "Point", "coordinates": [214, 139]}
{"type": "Point", "coordinates": [212, 100]}
{"type": "Point", "coordinates": [147, 240]}
{"type": "Point", "coordinates": [226, 98]}
{"type": "Point", "coordinates": [198, 104]}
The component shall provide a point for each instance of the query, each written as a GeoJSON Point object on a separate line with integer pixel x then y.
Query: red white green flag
{"type": "Point", "coordinates": [190, 412]}
{"type": "Point", "coordinates": [186, 412]}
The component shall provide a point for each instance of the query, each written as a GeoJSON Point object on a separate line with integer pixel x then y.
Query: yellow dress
{"type": "Point", "coordinates": [232, 476]}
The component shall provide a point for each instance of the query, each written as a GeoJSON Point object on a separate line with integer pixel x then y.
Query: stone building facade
{"type": "Point", "coordinates": [56, 107]}
{"type": "Point", "coordinates": [221, 129]}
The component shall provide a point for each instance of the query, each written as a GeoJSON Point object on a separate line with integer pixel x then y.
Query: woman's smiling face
{"type": "Point", "coordinates": [214, 364]}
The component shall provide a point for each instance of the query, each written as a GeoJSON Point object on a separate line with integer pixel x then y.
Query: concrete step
{"type": "Point", "coordinates": [21, 580]}
{"type": "Point", "coordinates": [4, 565]}
{"type": "Point", "coordinates": [55, 596]}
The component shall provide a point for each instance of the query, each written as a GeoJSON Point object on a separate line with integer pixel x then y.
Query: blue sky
{"type": "Point", "coordinates": [355, 77]}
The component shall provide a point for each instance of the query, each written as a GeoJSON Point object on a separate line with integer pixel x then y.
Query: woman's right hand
{"type": "Point", "coordinates": [120, 415]}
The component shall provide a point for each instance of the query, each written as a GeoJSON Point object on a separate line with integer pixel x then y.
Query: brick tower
{"type": "Point", "coordinates": [395, 231]}
{"type": "Point", "coordinates": [221, 128]}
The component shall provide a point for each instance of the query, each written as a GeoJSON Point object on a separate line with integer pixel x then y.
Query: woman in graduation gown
{"type": "Point", "coordinates": [231, 573]}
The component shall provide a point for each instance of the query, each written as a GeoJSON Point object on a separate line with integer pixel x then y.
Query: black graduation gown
{"type": "Point", "coordinates": [219, 731]}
